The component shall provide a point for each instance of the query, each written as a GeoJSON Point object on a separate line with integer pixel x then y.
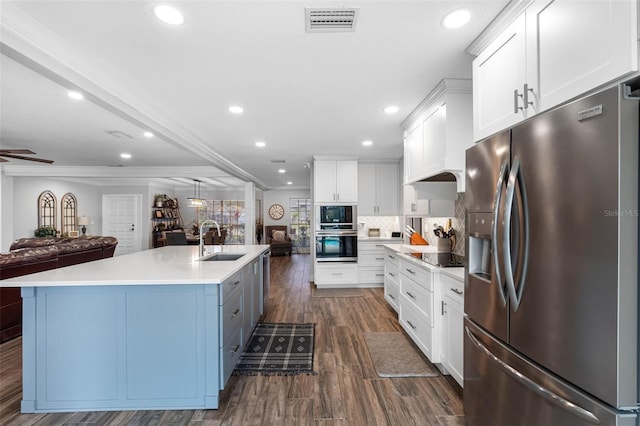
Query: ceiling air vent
{"type": "Point", "coordinates": [118, 134]}
{"type": "Point", "coordinates": [327, 20]}
{"type": "Point", "coordinates": [278, 161]}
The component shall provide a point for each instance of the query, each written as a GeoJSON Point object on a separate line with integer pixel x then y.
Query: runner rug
{"type": "Point", "coordinates": [278, 349]}
{"type": "Point", "coordinates": [394, 355]}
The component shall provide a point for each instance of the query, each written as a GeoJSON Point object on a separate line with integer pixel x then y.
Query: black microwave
{"type": "Point", "coordinates": [336, 217]}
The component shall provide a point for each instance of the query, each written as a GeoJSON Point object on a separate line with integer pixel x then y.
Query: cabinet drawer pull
{"type": "Point", "coordinates": [390, 256]}
{"type": "Point", "coordinates": [456, 291]}
{"type": "Point", "coordinates": [442, 311]}
{"type": "Point", "coordinates": [392, 274]}
{"type": "Point", "coordinates": [410, 295]}
{"type": "Point", "coordinates": [411, 325]}
{"type": "Point", "coordinates": [379, 275]}
{"type": "Point", "coordinates": [235, 283]}
{"type": "Point", "coordinates": [378, 245]}
{"type": "Point", "coordinates": [379, 258]}
{"type": "Point", "coordinates": [410, 271]}
{"type": "Point", "coordinates": [235, 349]}
{"type": "Point", "coordinates": [391, 296]}
{"type": "Point", "coordinates": [336, 273]}
{"type": "Point", "coordinates": [235, 312]}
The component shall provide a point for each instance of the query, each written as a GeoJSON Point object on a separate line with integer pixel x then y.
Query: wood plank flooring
{"type": "Point", "coordinates": [345, 390]}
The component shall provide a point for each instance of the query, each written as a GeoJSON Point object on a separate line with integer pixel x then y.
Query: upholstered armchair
{"type": "Point", "coordinates": [278, 238]}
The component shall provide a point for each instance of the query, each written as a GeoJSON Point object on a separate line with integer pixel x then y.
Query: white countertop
{"type": "Point", "coordinates": [406, 249]}
{"type": "Point", "coordinates": [164, 265]}
{"type": "Point", "coordinates": [394, 240]}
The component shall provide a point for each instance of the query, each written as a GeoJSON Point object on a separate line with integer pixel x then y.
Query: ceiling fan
{"type": "Point", "coordinates": [19, 154]}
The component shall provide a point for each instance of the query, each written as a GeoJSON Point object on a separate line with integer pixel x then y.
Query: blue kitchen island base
{"type": "Point", "coordinates": [121, 347]}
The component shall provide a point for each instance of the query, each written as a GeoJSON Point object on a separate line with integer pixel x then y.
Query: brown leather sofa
{"type": "Point", "coordinates": [30, 255]}
{"type": "Point", "coordinates": [278, 247]}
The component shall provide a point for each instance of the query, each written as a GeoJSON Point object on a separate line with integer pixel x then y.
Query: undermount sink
{"type": "Point", "coordinates": [219, 257]}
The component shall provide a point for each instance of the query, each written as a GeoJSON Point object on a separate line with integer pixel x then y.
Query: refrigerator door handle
{"type": "Point", "coordinates": [515, 178]}
{"type": "Point", "coordinates": [494, 231]}
{"type": "Point", "coordinates": [533, 386]}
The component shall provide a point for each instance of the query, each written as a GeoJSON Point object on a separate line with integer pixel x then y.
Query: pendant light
{"type": "Point", "coordinates": [196, 201]}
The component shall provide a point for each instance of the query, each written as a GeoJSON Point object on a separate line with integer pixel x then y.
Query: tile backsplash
{"type": "Point", "coordinates": [457, 223]}
{"type": "Point", "coordinates": [386, 224]}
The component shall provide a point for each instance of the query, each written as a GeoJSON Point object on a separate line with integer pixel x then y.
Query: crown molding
{"type": "Point", "coordinates": [112, 172]}
{"type": "Point", "coordinates": [446, 86]}
{"type": "Point", "coordinates": [507, 15]}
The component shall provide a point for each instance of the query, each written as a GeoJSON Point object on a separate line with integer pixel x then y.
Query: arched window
{"type": "Point", "coordinates": [47, 209]}
{"type": "Point", "coordinates": [69, 209]}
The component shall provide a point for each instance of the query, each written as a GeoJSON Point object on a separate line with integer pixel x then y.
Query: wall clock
{"type": "Point", "coordinates": [276, 211]}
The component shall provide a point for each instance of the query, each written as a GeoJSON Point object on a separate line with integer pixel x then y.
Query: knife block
{"type": "Point", "coordinates": [417, 240]}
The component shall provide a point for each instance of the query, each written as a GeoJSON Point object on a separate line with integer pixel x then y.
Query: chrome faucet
{"type": "Point", "coordinates": [201, 245]}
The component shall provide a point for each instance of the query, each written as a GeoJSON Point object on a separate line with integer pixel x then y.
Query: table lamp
{"type": "Point", "coordinates": [83, 221]}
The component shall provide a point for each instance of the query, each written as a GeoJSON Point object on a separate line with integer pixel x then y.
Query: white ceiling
{"type": "Point", "coordinates": [303, 94]}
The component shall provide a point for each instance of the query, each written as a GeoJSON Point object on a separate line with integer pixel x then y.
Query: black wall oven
{"type": "Point", "coordinates": [336, 246]}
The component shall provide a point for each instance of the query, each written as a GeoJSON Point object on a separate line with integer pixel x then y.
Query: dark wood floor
{"type": "Point", "coordinates": [345, 390]}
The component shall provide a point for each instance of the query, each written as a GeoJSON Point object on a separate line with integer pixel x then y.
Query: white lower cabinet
{"type": "Point", "coordinates": [417, 295]}
{"type": "Point", "coordinates": [452, 309]}
{"type": "Point", "coordinates": [430, 304]}
{"type": "Point", "coordinates": [371, 260]}
{"type": "Point", "coordinates": [392, 279]}
{"type": "Point", "coordinates": [336, 274]}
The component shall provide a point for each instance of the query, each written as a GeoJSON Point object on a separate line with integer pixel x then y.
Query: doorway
{"type": "Point", "coordinates": [121, 218]}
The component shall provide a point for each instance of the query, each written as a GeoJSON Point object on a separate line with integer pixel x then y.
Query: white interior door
{"type": "Point", "coordinates": [121, 219]}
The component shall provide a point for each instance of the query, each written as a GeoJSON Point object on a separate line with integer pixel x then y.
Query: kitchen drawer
{"type": "Point", "coordinates": [371, 246]}
{"type": "Point", "coordinates": [391, 271]}
{"type": "Point", "coordinates": [452, 288]}
{"type": "Point", "coordinates": [371, 258]}
{"type": "Point", "coordinates": [371, 274]}
{"type": "Point", "coordinates": [392, 293]}
{"type": "Point", "coordinates": [417, 273]}
{"type": "Point", "coordinates": [230, 285]}
{"type": "Point", "coordinates": [419, 296]}
{"type": "Point", "coordinates": [231, 315]}
{"type": "Point", "coordinates": [230, 355]}
{"type": "Point", "coordinates": [392, 257]}
{"type": "Point", "coordinates": [332, 273]}
{"type": "Point", "coordinates": [416, 325]}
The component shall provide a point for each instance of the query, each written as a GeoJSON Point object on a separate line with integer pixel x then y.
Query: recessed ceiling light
{"type": "Point", "coordinates": [235, 109]}
{"type": "Point", "coordinates": [168, 15]}
{"type": "Point", "coordinates": [281, 170]}
{"type": "Point", "coordinates": [125, 155]}
{"type": "Point", "coordinates": [456, 18]}
{"type": "Point", "coordinates": [148, 134]}
{"type": "Point", "coordinates": [367, 143]}
{"type": "Point", "coordinates": [392, 109]}
{"type": "Point", "coordinates": [261, 144]}
{"type": "Point", "coordinates": [76, 95]}
{"type": "Point", "coordinates": [289, 183]}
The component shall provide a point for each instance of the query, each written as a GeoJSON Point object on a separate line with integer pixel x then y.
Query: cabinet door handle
{"type": "Point", "coordinates": [410, 295]}
{"type": "Point", "coordinates": [235, 312]}
{"type": "Point", "coordinates": [525, 96]}
{"type": "Point", "coordinates": [443, 303]}
{"type": "Point", "coordinates": [411, 325]}
{"type": "Point", "coordinates": [410, 271]}
{"type": "Point", "coordinates": [516, 95]}
{"type": "Point", "coordinates": [413, 207]}
{"type": "Point", "coordinates": [456, 291]}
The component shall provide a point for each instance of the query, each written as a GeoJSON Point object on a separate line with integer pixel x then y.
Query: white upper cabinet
{"type": "Point", "coordinates": [335, 181]}
{"type": "Point", "coordinates": [497, 72]}
{"type": "Point", "coordinates": [378, 189]}
{"type": "Point", "coordinates": [554, 51]}
{"type": "Point", "coordinates": [438, 132]}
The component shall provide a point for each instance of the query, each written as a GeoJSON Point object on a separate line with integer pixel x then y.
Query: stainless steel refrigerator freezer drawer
{"type": "Point", "coordinates": [503, 389]}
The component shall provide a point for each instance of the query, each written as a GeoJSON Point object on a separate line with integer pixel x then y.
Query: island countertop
{"type": "Point", "coordinates": [164, 265]}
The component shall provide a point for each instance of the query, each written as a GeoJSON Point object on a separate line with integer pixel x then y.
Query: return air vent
{"type": "Point", "coordinates": [326, 20]}
{"type": "Point", "coordinates": [118, 134]}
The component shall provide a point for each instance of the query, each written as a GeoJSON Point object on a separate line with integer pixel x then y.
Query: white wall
{"type": "Point", "coordinates": [26, 191]}
{"type": "Point", "coordinates": [282, 197]}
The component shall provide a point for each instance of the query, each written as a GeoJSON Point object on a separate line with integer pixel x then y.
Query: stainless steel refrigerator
{"type": "Point", "coordinates": [551, 301]}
